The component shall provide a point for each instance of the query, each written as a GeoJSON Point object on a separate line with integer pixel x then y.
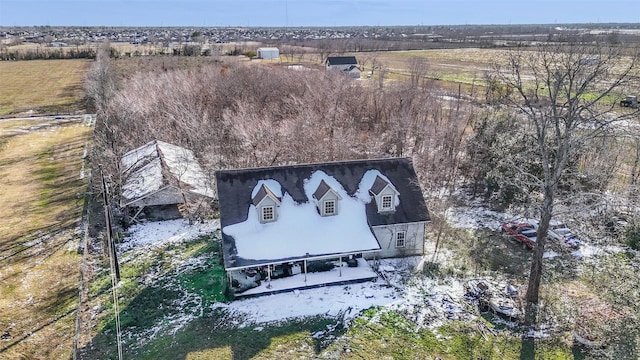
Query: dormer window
{"type": "Point", "coordinates": [266, 203]}
{"type": "Point", "coordinates": [326, 199]}
{"type": "Point", "coordinates": [329, 207]}
{"type": "Point", "coordinates": [385, 194]}
{"type": "Point", "coordinates": [268, 214]}
{"type": "Point", "coordinates": [387, 202]}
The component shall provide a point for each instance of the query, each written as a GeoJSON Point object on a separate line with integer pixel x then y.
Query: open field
{"type": "Point", "coordinates": [41, 86]}
{"type": "Point", "coordinates": [42, 192]}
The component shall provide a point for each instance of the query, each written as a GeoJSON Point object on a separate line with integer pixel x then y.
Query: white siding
{"type": "Point", "coordinates": [386, 235]}
{"type": "Point", "coordinates": [268, 53]}
{"type": "Point", "coordinates": [339, 67]}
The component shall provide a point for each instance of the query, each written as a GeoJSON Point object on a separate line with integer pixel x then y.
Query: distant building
{"type": "Point", "coordinates": [268, 53]}
{"type": "Point", "coordinates": [347, 64]}
{"type": "Point", "coordinates": [589, 61]}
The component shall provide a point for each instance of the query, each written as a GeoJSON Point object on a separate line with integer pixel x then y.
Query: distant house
{"type": "Point", "coordinates": [346, 64]}
{"type": "Point", "coordinates": [268, 53]}
{"type": "Point", "coordinates": [589, 61]}
{"type": "Point", "coordinates": [283, 218]}
{"type": "Point", "coordinates": [162, 181]}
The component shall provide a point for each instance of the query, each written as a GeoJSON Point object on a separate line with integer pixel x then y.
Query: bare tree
{"type": "Point", "coordinates": [566, 101]}
{"type": "Point", "coordinates": [417, 70]}
{"type": "Point", "coordinates": [100, 82]}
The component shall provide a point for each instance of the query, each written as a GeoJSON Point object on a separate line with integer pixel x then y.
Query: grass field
{"type": "Point", "coordinates": [42, 192]}
{"type": "Point", "coordinates": [41, 86]}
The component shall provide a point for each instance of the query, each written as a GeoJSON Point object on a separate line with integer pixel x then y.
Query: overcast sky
{"type": "Point", "coordinates": [313, 12]}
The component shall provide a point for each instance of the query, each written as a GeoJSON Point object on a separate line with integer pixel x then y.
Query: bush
{"type": "Point", "coordinates": [632, 234]}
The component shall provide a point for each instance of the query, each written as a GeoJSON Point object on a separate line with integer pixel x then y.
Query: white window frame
{"type": "Point", "coordinates": [263, 211]}
{"type": "Point", "coordinates": [389, 199]}
{"type": "Point", "coordinates": [335, 207]}
{"type": "Point", "coordinates": [401, 239]}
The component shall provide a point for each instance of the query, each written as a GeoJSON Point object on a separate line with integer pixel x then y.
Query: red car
{"type": "Point", "coordinates": [522, 232]}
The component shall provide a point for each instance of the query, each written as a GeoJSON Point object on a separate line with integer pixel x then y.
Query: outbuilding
{"type": "Point", "coordinates": [163, 181]}
{"type": "Point", "coordinates": [268, 53]}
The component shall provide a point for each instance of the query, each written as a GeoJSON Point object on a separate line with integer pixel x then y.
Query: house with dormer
{"type": "Point", "coordinates": [282, 221]}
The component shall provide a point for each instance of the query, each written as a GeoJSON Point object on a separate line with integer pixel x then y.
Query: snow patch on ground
{"type": "Point", "coordinates": [346, 300]}
{"type": "Point", "coordinates": [162, 233]}
{"type": "Point", "coordinates": [587, 250]}
{"type": "Point", "coordinates": [476, 217]}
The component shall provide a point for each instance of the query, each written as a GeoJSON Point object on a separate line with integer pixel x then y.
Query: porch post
{"type": "Point", "coordinates": [269, 276]}
{"type": "Point", "coordinates": [340, 266]}
{"type": "Point", "coordinates": [305, 270]}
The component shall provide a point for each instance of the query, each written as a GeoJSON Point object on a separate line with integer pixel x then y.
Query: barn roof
{"type": "Point", "coordinates": [342, 60]}
{"type": "Point", "coordinates": [246, 242]}
{"type": "Point", "coordinates": [157, 164]}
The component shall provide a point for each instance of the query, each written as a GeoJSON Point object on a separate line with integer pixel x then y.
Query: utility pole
{"type": "Point", "coordinates": [113, 260]}
{"type": "Point", "coordinates": [107, 217]}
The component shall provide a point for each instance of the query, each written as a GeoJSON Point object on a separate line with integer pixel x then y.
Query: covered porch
{"type": "Point", "coordinates": [340, 274]}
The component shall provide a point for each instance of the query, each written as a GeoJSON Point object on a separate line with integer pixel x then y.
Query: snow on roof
{"type": "Point", "coordinates": [146, 179]}
{"type": "Point", "coordinates": [273, 185]}
{"type": "Point", "coordinates": [300, 230]}
{"type": "Point", "coordinates": [143, 170]}
{"type": "Point", "coordinates": [369, 179]}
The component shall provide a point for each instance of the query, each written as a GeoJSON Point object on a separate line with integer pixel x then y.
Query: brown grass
{"type": "Point", "coordinates": [42, 196]}
{"type": "Point", "coordinates": [44, 86]}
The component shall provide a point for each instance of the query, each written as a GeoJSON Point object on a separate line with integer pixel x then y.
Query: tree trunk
{"type": "Point", "coordinates": [535, 276]}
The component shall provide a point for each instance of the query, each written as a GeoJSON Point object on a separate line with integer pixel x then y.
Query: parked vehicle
{"type": "Point", "coordinates": [560, 232]}
{"type": "Point", "coordinates": [630, 101]}
{"type": "Point", "coordinates": [528, 238]}
{"type": "Point", "coordinates": [522, 232]}
{"type": "Point", "coordinates": [513, 228]}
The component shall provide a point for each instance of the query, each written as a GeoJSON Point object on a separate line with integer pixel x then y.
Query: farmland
{"type": "Point", "coordinates": [41, 86]}
{"type": "Point", "coordinates": [41, 164]}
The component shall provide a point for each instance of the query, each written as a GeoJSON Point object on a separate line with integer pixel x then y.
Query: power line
{"type": "Point", "coordinates": [113, 261]}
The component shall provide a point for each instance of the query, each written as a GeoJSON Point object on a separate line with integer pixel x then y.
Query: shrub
{"type": "Point", "coordinates": [632, 234]}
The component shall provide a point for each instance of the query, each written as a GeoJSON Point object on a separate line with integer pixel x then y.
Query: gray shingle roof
{"type": "Point", "coordinates": [323, 188]}
{"type": "Point", "coordinates": [378, 185]}
{"type": "Point", "coordinates": [342, 60]}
